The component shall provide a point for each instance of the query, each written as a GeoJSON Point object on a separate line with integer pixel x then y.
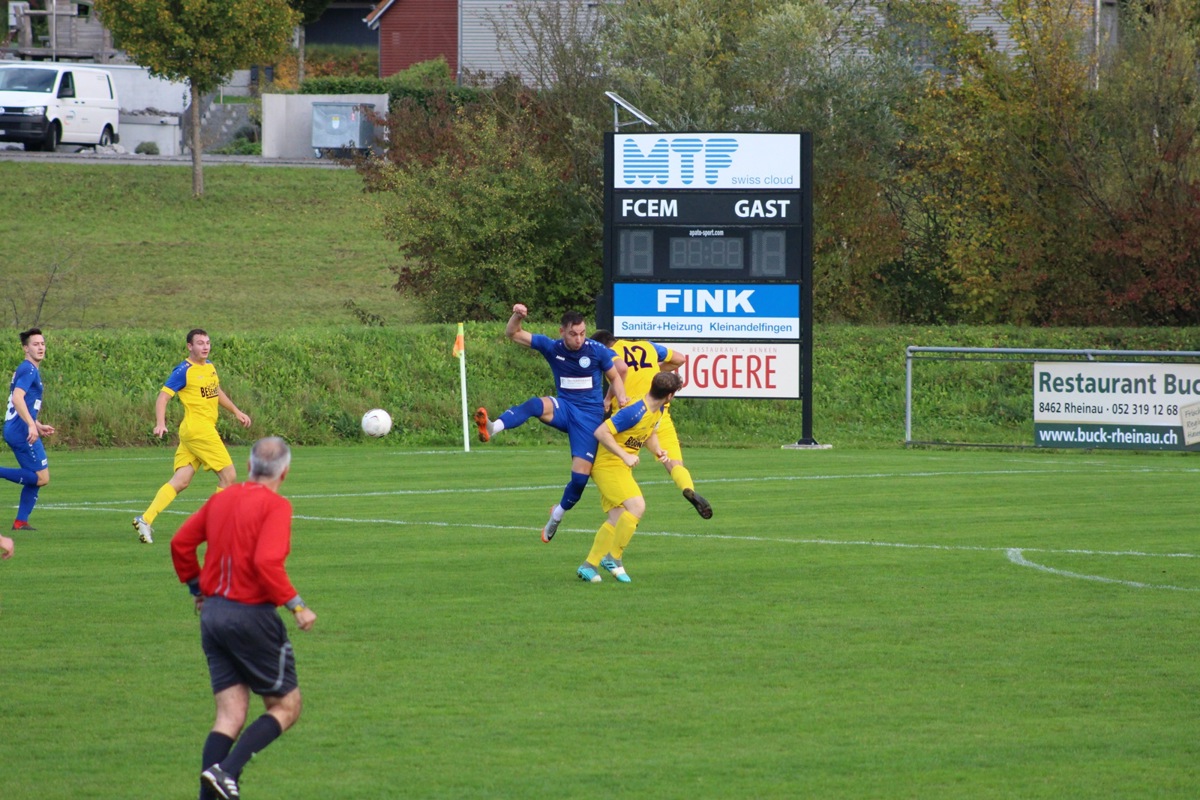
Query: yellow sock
{"type": "Point", "coordinates": [602, 545]}
{"type": "Point", "coordinates": [626, 525]}
{"type": "Point", "coordinates": [161, 500]}
{"type": "Point", "coordinates": [682, 478]}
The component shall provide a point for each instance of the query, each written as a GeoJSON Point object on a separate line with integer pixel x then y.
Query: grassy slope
{"type": "Point", "coordinates": [265, 248]}
{"type": "Point", "coordinates": [266, 261]}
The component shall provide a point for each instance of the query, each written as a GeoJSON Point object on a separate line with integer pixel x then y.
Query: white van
{"type": "Point", "coordinates": [44, 104]}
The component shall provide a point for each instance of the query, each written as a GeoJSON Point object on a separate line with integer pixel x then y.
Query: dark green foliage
{"type": "Point", "coordinates": [241, 146]}
{"type": "Point", "coordinates": [955, 181]}
{"type": "Point", "coordinates": [423, 84]}
{"type": "Point", "coordinates": [324, 60]}
{"type": "Point", "coordinates": [485, 212]}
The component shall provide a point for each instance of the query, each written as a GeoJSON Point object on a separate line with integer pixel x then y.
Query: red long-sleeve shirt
{"type": "Point", "coordinates": [248, 529]}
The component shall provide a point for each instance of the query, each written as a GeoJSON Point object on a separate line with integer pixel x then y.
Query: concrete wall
{"type": "Point", "coordinates": [163, 130]}
{"type": "Point", "coordinates": [287, 121]}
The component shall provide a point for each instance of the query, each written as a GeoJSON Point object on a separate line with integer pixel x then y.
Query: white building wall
{"type": "Point", "coordinates": [494, 38]}
{"type": "Point", "coordinates": [480, 49]}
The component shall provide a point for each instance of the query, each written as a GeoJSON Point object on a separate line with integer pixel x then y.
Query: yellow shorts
{"type": "Point", "coordinates": [614, 480]}
{"type": "Point", "coordinates": [204, 450]}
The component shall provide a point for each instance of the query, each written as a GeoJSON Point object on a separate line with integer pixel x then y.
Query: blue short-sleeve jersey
{"type": "Point", "coordinates": [26, 377]}
{"type": "Point", "coordinates": [578, 374]}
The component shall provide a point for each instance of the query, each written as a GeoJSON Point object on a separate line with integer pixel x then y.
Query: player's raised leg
{"type": "Point", "coordinates": [483, 425]}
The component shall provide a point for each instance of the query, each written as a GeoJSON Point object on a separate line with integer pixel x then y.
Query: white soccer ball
{"type": "Point", "coordinates": [376, 422]}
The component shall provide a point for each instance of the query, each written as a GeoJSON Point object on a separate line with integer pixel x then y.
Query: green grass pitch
{"type": "Point", "coordinates": [850, 624]}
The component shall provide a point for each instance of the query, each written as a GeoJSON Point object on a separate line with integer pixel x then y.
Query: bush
{"type": "Point", "coordinates": [324, 60]}
{"type": "Point", "coordinates": [147, 149]}
{"type": "Point", "coordinates": [421, 83]}
{"type": "Point", "coordinates": [239, 147]}
{"type": "Point", "coordinates": [485, 220]}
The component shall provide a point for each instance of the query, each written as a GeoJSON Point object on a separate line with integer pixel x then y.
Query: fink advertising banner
{"type": "Point", "coordinates": [706, 311]}
{"type": "Point", "coordinates": [1116, 406]}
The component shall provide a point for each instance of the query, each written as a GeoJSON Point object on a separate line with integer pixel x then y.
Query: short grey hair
{"type": "Point", "coordinates": [269, 457]}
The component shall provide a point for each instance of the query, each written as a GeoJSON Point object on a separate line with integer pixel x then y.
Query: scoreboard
{"type": "Point", "coordinates": [708, 241]}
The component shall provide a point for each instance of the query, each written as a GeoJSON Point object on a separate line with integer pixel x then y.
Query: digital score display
{"type": "Point", "coordinates": [729, 253]}
{"type": "Point", "coordinates": [689, 253]}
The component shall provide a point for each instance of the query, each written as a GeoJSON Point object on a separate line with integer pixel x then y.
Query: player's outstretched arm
{"type": "Point", "coordinates": [160, 414]}
{"type": "Point", "coordinates": [228, 405]}
{"type": "Point", "coordinates": [616, 385]}
{"type": "Point", "coordinates": [673, 361]}
{"type": "Point", "coordinates": [513, 329]}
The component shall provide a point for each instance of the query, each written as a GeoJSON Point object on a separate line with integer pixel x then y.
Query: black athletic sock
{"type": "Point", "coordinates": [216, 747]}
{"type": "Point", "coordinates": [258, 735]}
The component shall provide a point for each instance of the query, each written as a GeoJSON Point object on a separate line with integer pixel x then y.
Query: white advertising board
{"type": "Point", "coordinates": [1116, 405]}
{"type": "Point", "coordinates": [736, 369]}
{"type": "Point", "coordinates": [707, 161]}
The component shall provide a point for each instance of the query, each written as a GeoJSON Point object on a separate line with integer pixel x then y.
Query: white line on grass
{"type": "Point", "coordinates": [759, 479]}
{"type": "Point", "coordinates": [1014, 555]}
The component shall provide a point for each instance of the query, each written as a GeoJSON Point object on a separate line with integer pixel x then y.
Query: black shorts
{"type": "Point", "coordinates": [247, 645]}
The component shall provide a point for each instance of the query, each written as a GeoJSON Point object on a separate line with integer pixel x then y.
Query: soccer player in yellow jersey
{"type": "Point", "coordinates": [642, 360]}
{"type": "Point", "coordinates": [194, 382]}
{"type": "Point", "coordinates": [621, 437]}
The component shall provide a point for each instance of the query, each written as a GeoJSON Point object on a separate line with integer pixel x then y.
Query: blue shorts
{"type": "Point", "coordinates": [580, 426]}
{"type": "Point", "coordinates": [247, 645]}
{"type": "Point", "coordinates": [30, 456]}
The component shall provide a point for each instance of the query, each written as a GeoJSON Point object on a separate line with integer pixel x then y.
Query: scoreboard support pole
{"type": "Point", "coordinates": [807, 441]}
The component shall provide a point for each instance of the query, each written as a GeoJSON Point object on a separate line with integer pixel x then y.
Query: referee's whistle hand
{"type": "Point", "coordinates": [305, 618]}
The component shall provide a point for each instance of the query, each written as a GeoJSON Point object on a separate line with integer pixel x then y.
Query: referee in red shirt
{"type": "Point", "coordinates": [247, 529]}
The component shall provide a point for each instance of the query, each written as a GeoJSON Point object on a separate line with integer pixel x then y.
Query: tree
{"type": "Point", "coordinates": [1140, 168]}
{"type": "Point", "coordinates": [200, 41]}
{"type": "Point", "coordinates": [810, 66]}
{"type": "Point", "coordinates": [484, 214]}
{"type": "Point", "coordinates": [673, 58]}
{"type": "Point", "coordinates": [310, 11]}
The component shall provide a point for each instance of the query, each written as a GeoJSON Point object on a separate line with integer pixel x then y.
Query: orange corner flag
{"type": "Point", "coordinates": [459, 349]}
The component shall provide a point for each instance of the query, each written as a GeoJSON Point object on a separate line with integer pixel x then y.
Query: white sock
{"type": "Point", "coordinates": [495, 426]}
{"type": "Point", "coordinates": [557, 513]}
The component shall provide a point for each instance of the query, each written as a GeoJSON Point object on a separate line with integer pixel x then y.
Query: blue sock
{"type": "Point", "coordinates": [574, 490]}
{"type": "Point", "coordinates": [25, 477]}
{"type": "Point", "coordinates": [28, 499]}
{"type": "Point", "coordinates": [519, 415]}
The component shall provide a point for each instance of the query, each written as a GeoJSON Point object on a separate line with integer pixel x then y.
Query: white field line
{"type": "Point", "coordinates": [759, 479]}
{"type": "Point", "coordinates": [1016, 556]}
{"type": "Point", "coordinates": [1013, 554]}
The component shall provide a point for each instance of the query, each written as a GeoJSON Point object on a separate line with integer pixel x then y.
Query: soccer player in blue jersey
{"type": "Point", "coordinates": [194, 382]}
{"type": "Point", "coordinates": [22, 431]}
{"type": "Point", "coordinates": [578, 365]}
